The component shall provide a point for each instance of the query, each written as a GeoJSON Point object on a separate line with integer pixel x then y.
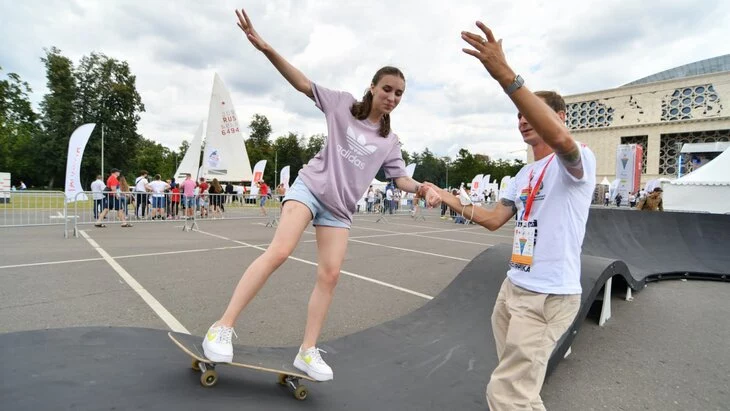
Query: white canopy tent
{"type": "Point", "coordinates": [704, 190]}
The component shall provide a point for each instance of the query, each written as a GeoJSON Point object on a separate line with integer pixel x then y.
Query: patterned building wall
{"type": "Point", "coordinates": [657, 114]}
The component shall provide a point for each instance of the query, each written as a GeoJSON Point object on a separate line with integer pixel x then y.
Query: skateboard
{"type": "Point", "coordinates": [249, 357]}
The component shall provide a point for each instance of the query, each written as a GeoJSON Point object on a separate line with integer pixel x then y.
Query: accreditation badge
{"type": "Point", "coordinates": [523, 244]}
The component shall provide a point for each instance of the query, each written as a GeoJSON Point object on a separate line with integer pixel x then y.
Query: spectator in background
{"type": "Point", "coordinates": [97, 193]}
{"type": "Point", "coordinates": [652, 202]}
{"type": "Point", "coordinates": [158, 188]}
{"type": "Point", "coordinates": [229, 191]}
{"type": "Point", "coordinates": [203, 197]}
{"type": "Point", "coordinates": [125, 195]}
{"type": "Point", "coordinates": [216, 197]}
{"type": "Point", "coordinates": [113, 200]}
{"type": "Point", "coordinates": [22, 185]}
{"type": "Point", "coordinates": [263, 195]}
{"type": "Point", "coordinates": [370, 199]}
{"type": "Point", "coordinates": [389, 199]}
{"type": "Point", "coordinates": [632, 200]}
{"type": "Point", "coordinates": [175, 201]}
{"type": "Point", "coordinates": [140, 184]}
{"type": "Point", "coordinates": [188, 189]}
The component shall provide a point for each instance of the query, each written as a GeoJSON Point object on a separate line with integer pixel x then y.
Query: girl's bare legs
{"type": "Point", "coordinates": [295, 217]}
{"type": "Point", "coordinates": [331, 248]}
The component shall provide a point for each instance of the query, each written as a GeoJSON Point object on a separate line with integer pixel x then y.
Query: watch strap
{"type": "Point", "coordinates": [516, 84]}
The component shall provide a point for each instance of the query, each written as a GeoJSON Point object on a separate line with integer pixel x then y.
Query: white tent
{"type": "Point", "coordinates": [704, 190]}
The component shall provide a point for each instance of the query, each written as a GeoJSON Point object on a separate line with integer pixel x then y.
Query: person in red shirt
{"type": "Point", "coordinates": [263, 195]}
{"type": "Point", "coordinates": [203, 196]}
{"type": "Point", "coordinates": [114, 203]}
{"type": "Point", "coordinates": [175, 199]}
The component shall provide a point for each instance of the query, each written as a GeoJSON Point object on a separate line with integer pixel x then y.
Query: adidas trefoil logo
{"type": "Point", "coordinates": [357, 147]}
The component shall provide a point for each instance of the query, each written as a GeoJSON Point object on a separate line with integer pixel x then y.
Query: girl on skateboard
{"type": "Point", "coordinates": [325, 193]}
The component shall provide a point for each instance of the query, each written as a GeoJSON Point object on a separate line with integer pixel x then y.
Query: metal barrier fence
{"type": "Point", "coordinates": [127, 209]}
{"type": "Point", "coordinates": [32, 208]}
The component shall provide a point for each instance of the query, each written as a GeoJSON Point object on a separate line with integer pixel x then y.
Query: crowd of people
{"type": "Point", "coordinates": [157, 199]}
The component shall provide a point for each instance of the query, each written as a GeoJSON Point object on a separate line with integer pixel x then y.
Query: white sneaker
{"type": "Point", "coordinates": [312, 363]}
{"type": "Point", "coordinates": [217, 343]}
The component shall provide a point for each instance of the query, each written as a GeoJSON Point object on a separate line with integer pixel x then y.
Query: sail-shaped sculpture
{"type": "Point", "coordinates": [225, 156]}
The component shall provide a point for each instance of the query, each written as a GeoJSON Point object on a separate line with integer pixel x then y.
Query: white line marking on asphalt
{"type": "Point", "coordinates": [161, 311]}
{"type": "Point", "coordinates": [50, 263]}
{"type": "Point", "coordinates": [467, 230]}
{"type": "Point", "coordinates": [197, 250]}
{"type": "Point", "coordinates": [412, 251]}
{"type": "Point", "coordinates": [372, 280]}
{"type": "Point", "coordinates": [426, 236]}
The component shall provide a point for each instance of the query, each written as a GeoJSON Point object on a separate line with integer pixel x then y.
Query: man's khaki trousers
{"type": "Point", "coordinates": [526, 326]}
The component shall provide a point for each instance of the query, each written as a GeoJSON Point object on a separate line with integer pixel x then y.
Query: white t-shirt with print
{"type": "Point", "coordinates": [560, 209]}
{"type": "Point", "coordinates": [140, 184]}
{"type": "Point", "coordinates": [158, 188]}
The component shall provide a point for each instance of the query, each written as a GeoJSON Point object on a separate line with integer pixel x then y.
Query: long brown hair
{"type": "Point", "coordinates": [123, 185]}
{"type": "Point", "coordinates": [361, 109]}
{"type": "Point", "coordinates": [217, 186]}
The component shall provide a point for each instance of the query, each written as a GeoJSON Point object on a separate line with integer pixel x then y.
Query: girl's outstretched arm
{"type": "Point", "coordinates": [295, 77]}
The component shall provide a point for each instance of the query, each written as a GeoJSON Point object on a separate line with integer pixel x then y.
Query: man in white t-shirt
{"type": "Point", "coordinates": [158, 188]}
{"type": "Point", "coordinates": [97, 193]}
{"type": "Point", "coordinates": [540, 297]}
{"type": "Point", "coordinates": [389, 199]}
{"type": "Point", "coordinates": [140, 189]}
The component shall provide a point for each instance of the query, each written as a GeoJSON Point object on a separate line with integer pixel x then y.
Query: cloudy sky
{"type": "Point", "coordinates": [175, 47]}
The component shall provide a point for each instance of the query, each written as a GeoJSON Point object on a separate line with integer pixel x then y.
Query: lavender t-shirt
{"type": "Point", "coordinates": [353, 153]}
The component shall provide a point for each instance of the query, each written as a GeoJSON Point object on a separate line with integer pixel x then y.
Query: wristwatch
{"type": "Point", "coordinates": [516, 84]}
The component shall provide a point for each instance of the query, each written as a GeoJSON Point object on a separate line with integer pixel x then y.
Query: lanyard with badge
{"type": "Point", "coordinates": [523, 243]}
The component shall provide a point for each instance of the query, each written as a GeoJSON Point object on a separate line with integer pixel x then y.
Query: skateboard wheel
{"type": "Point", "coordinates": [301, 393]}
{"type": "Point", "coordinates": [196, 365]}
{"type": "Point", "coordinates": [282, 379]}
{"type": "Point", "coordinates": [209, 378]}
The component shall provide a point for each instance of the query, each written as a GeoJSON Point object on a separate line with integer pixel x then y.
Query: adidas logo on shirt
{"type": "Point", "coordinates": [357, 147]}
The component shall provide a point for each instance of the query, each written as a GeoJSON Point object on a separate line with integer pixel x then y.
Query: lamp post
{"type": "Point", "coordinates": [276, 168]}
{"type": "Point", "coordinates": [447, 175]}
{"type": "Point", "coordinates": [102, 150]}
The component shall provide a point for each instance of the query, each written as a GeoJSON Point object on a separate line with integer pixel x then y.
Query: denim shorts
{"type": "Point", "coordinates": [158, 202]}
{"type": "Point", "coordinates": [320, 215]}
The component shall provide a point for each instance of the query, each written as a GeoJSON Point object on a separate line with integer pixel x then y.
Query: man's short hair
{"type": "Point", "coordinates": [143, 172]}
{"type": "Point", "coordinates": [552, 99]}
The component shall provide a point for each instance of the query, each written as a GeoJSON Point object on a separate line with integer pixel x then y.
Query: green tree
{"type": "Point", "coordinates": [155, 158]}
{"type": "Point", "coordinates": [258, 145]}
{"type": "Point", "coordinates": [18, 127]}
{"type": "Point", "coordinates": [260, 130]}
{"type": "Point", "coordinates": [290, 153]}
{"type": "Point", "coordinates": [107, 95]}
{"type": "Point", "coordinates": [58, 117]}
{"type": "Point", "coordinates": [313, 145]}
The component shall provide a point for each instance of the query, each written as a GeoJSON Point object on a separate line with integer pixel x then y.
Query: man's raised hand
{"type": "Point", "coordinates": [489, 52]}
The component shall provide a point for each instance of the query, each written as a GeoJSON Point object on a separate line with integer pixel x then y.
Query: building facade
{"type": "Point", "coordinates": [687, 104]}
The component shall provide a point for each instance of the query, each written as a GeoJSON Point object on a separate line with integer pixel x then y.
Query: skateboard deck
{"type": "Point", "coordinates": [245, 357]}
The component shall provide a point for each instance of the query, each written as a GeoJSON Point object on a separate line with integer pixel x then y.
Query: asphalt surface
{"type": "Point", "coordinates": [655, 353]}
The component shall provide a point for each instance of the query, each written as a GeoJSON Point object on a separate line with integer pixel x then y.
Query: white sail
{"type": "Point", "coordinates": [191, 160]}
{"type": "Point", "coordinates": [225, 156]}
